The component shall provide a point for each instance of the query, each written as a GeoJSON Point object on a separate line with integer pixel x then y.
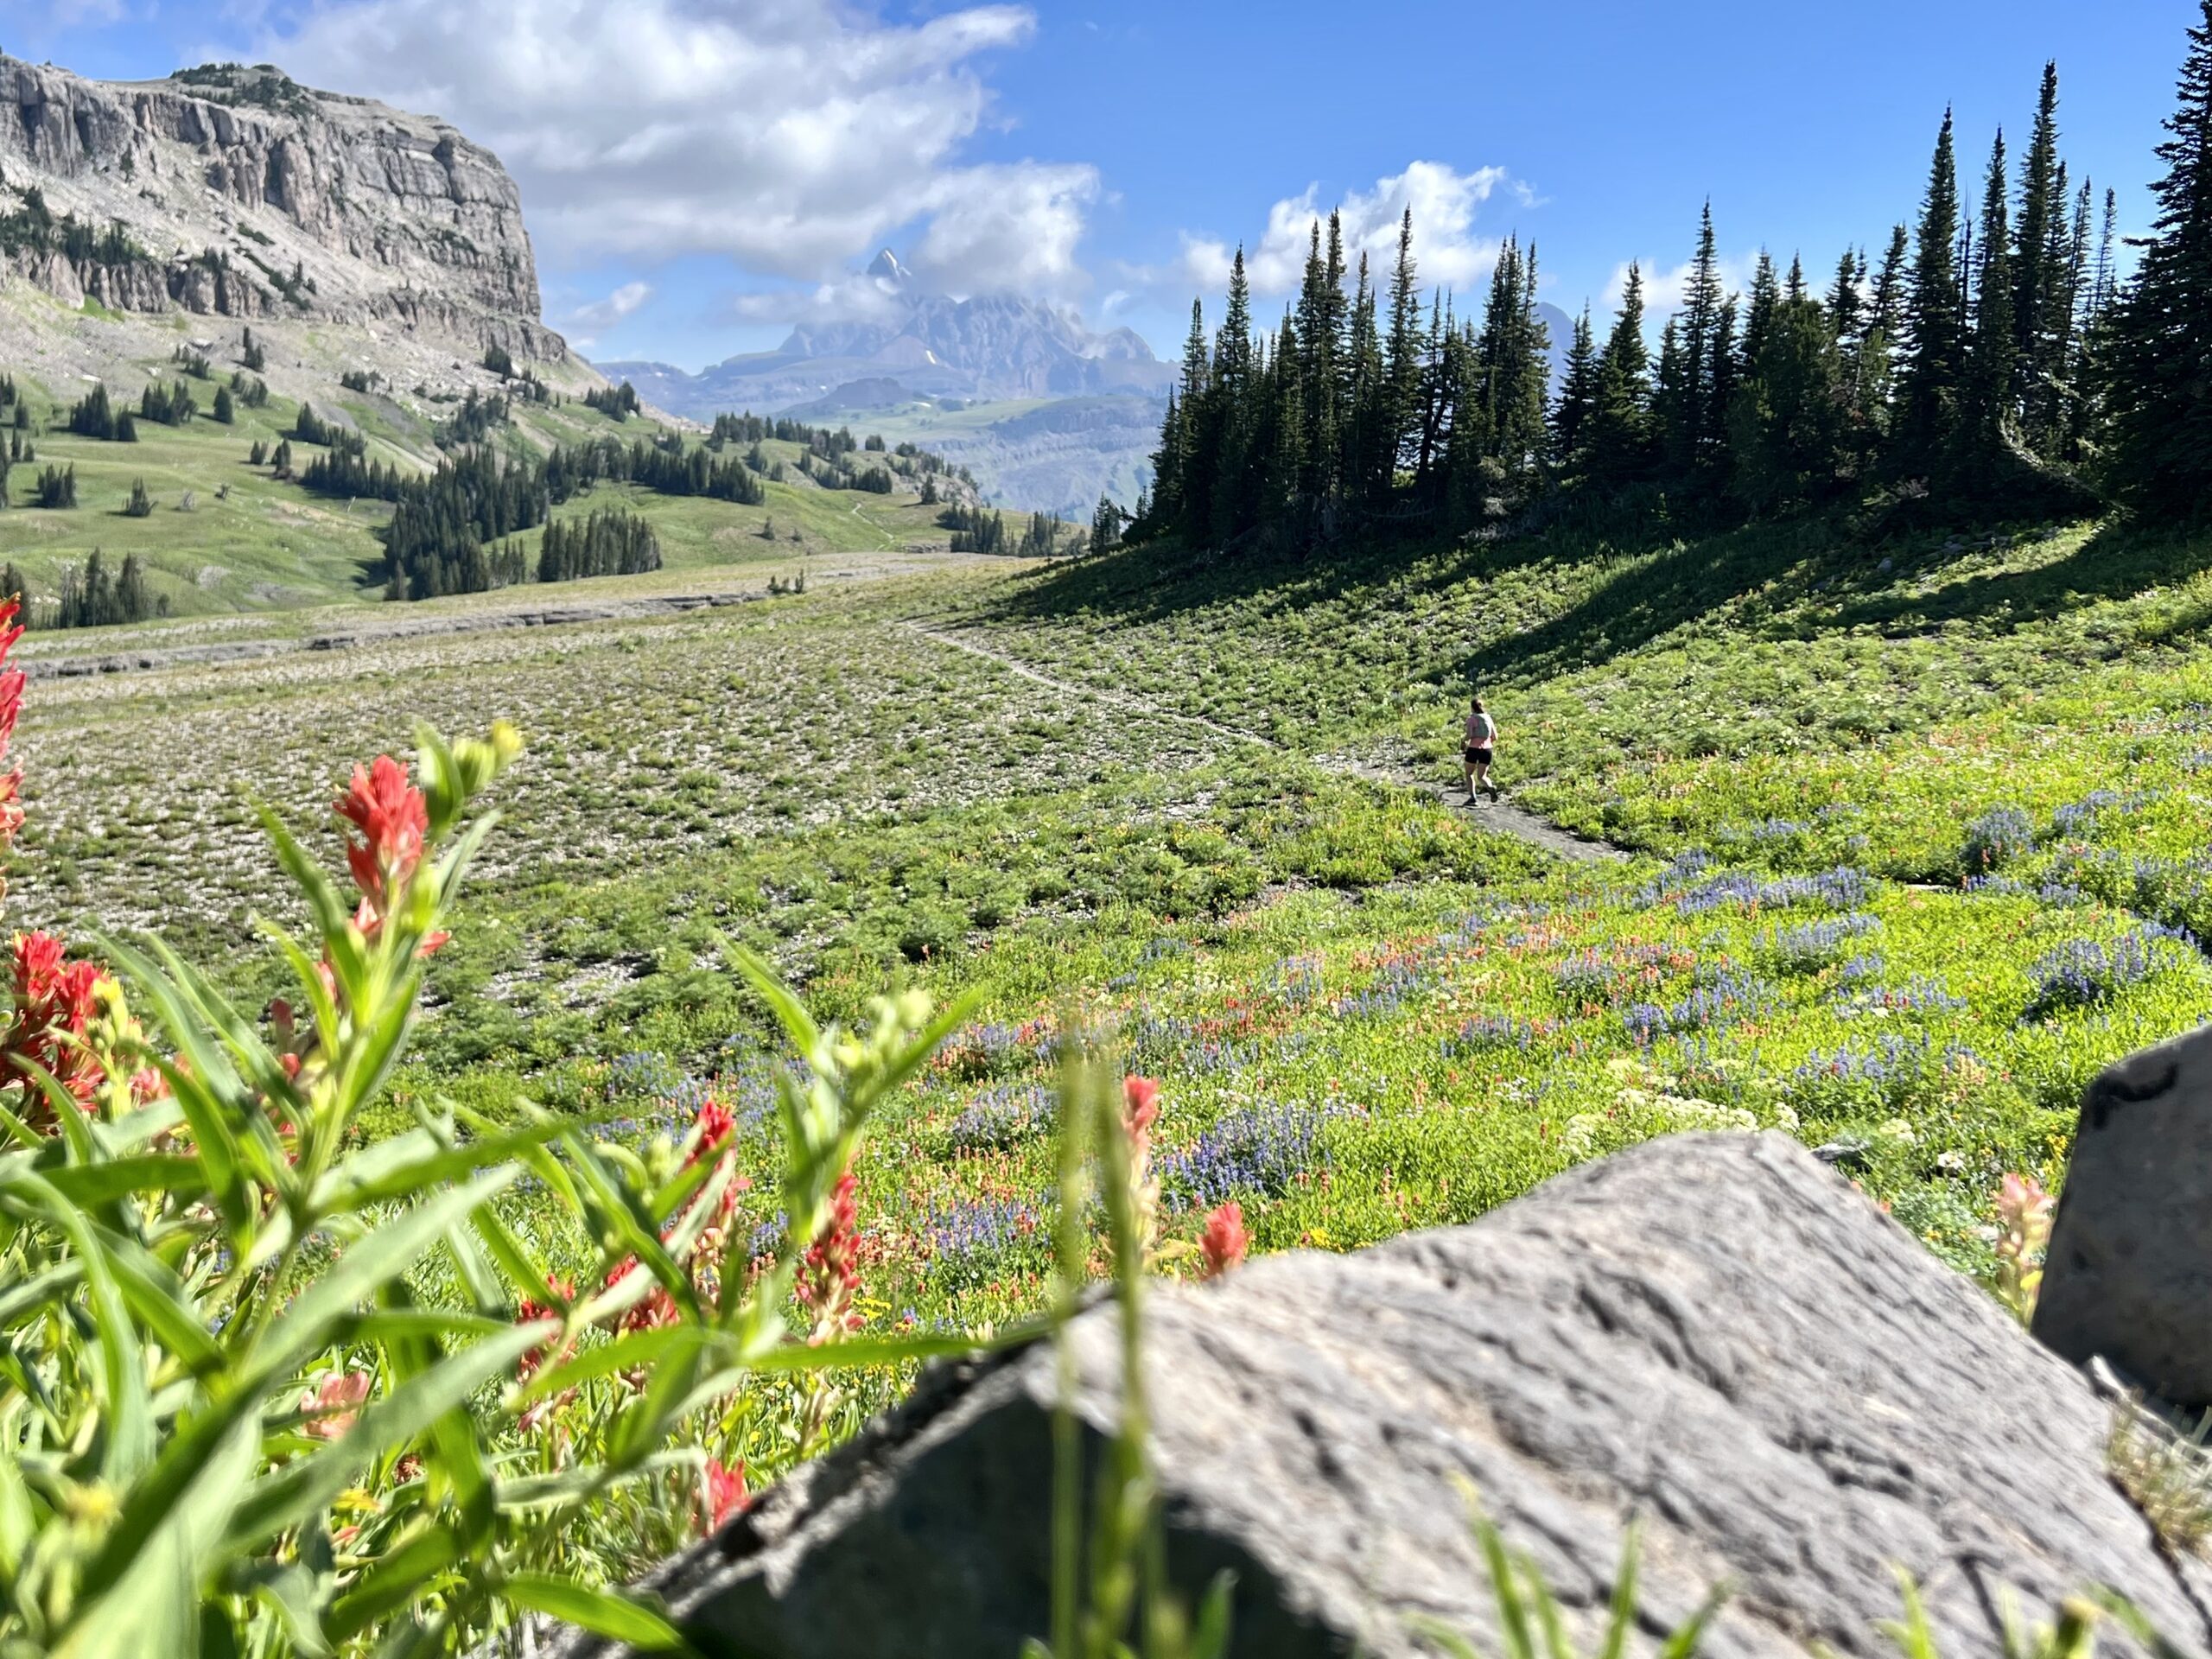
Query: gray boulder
{"type": "Point", "coordinates": [2129, 1276]}
{"type": "Point", "coordinates": [1713, 1331]}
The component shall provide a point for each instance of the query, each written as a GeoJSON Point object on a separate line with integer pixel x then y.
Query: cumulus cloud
{"type": "Point", "coordinates": [1664, 286]}
{"type": "Point", "coordinates": [793, 136]}
{"type": "Point", "coordinates": [605, 314]}
{"type": "Point", "coordinates": [1447, 248]}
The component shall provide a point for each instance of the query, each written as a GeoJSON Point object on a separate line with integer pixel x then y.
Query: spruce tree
{"type": "Point", "coordinates": [1786, 426]}
{"type": "Point", "coordinates": [1694, 418]}
{"type": "Point", "coordinates": [1578, 399]}
{"type": "Point", "coordinates": [1935, 368]}
{"type": "Point", "coordinates": [1995, 347]}
{"type": "Point", "coordinates": [1619, 441]}
{"type": "Point", "coordinates": [1370, 446]}
{"type": "Point", "coordinates": [1406, 346]}
{"type": "Point", "coordinates": [2036, 280]}
{"type": "Point", "coordinates": [2160, 396]}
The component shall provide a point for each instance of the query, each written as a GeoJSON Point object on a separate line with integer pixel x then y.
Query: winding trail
{"type": "Point", "coordinates": [1503, 815]}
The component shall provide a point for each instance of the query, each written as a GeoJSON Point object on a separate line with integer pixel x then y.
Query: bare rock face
{"type": "Point", "coordinates": [1712, 1332]}
{"type": "Point", "coordinates": [2129, 1274]}
{"type": "Point", "coordinates": [245, 196]}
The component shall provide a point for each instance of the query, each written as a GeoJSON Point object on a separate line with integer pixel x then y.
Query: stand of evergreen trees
{"type": "Point", "coordinates": [618, 402]}
{"type": "Point", "coordinates": [612, 543]}
{"type": "Point", "coordinates": [94, 597]}
{"type": "Point", "coordinates": [57, 487]}
{"type": "Point", "coordinates": [171, 404]}
{"type": "Point", "coordinates": [441, 525]}
{"type": "Point", "coordinates": [1989, 359]}
{"type": "Point", "coordinates": [94, 416]}
{"type": "Point", "coordinates": [474, 420]}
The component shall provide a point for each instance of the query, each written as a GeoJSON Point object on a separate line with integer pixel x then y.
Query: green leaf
{"type": "Point", "coordinates": [415, 1162]}
{"type": "Point", "coordinates": [97, 1186]}
{"type": "Point", "coordinates": [634, 1350]}
{"type": "Point", "coordinates": [357, 1275]}
{"type": "Point", "coordinates": [307, 1486]}
{"type": "Point", "coordinates": [147, 1603]}
{"type": "Point", "coordinates": [603, 1613]}
{"type": "Point", "coordinates": [400, 1579]}
{"type": "Point", "coordinates": [129, 1438]}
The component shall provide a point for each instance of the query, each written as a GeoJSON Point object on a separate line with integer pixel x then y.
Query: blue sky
{"type": "Point", "coordinates": [697, 173]}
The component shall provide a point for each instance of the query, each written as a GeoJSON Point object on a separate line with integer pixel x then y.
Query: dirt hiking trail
{"type": "Point", "coordinates": [1503, 815]}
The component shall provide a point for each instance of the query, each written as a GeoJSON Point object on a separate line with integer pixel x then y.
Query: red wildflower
{"type": "Point", "coordinates": [832, 1273]}
{"type": "Point", "coordinates": [725, 1494]}
{"type": "Point", "coordinates": [528, 1312]}
{"type": "Point", "coordinates": [54, 1000]}
{"type": "Point", "coordinates": [1140, 1105]}
{"type": "Point", "coordinates": [1224, 1240]}
{"type": "Point", "coordinates": [716, 1123]}
{"type": "Point", "coordinates": [393, 818]}
{"type": "Point", "coordinates": [332, 1405]}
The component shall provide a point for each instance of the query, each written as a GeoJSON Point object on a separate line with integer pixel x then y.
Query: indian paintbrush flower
{"type": "Point", "coordinates": [2023, 1215]}
{"type": "Point", "coordinates": [1223, 1242]}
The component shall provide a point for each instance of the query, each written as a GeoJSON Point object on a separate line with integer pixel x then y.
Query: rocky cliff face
{"type": "Point", "coordinates": [239, 193]}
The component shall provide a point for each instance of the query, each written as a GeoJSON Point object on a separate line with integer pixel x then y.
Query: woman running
{"type": "Point", "coordinates": [1481, 748]}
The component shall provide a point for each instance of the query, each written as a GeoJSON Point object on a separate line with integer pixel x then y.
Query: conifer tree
{"type": "Point", "coordinates": [1786, 425]}
{"type": "Point", "coordinates": [1620, 419]}
{"type": "Point", "coordinates": [1995, 346]}
{"type": "Point", "coordinates": [1406, 346]}
{"type": "Point", "coordinates": [1934, 367]}
{"type": "Point", "coordinates": [2160, 397]}
{"type": "Point", "coordinates": [1578, 399]}
{"type": "Point", "coordinates": [1670, 404]}
{"type": "Point", "coordinates": [2037, 282]}
{"type": "Point", "coordinates": [1371, 436]}
{"type": "Point", "coordinates": [1690, 410]}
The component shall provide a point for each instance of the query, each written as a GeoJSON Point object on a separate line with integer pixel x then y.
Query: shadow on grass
{"type": "Point", "coordinates": [1810, 575]}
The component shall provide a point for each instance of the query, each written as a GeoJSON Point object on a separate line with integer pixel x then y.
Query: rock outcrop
{"type": "Point", "coordinates": [1712, 1332]}
{"type": "Point", "coordinates": [239, 193]}
{"type": "Point", "coordinates": [2129, 1275]}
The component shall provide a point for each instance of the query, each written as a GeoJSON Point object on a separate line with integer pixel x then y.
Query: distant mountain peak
{"type": "Point", "coordinates": [885, 267]}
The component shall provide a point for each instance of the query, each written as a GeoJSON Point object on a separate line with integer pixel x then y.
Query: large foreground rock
{"type": "Point", "coordinates": [2130, 1274]}
{"type": "Point", "coordinates": [1713, 1331]}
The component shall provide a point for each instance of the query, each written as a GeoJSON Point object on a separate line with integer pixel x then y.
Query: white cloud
{"type": "Point", "coordinates": [1663, 287]}
{"type": "Point", "coordinates": [1446, 247]}
{"type": "Point", "coordinates": [793, 136]}
{"type": "Point", "coordinates": [1005, 226]}
{"type": "Point", "coordinates": [605, 314]}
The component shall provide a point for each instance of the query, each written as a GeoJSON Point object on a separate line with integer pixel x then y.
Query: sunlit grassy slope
{"type": "Point", "coordinates": [226, 535]}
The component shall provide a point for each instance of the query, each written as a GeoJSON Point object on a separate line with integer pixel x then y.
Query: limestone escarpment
{"type": "Point", "coordinates": [236, 193]}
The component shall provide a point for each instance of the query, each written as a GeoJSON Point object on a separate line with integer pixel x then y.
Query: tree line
{"type": "Point", "coordinates": [1988, 358]}
{"type": "Point", "coordinates": [95, 597]}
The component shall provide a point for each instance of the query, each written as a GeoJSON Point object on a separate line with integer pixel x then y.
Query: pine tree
{"type": "Point", "coordinates": [1370, 439]}
{"type": "Point", "coordinates": [1995, 348]}
{"type": "Point", "coordinates": [1766, 299]}
{"type": "Point", "coordinates": [1672, 434]}
{"type": "Point", "coordinates": [140, 505]}
{"type": "Point", "coordinates": [2036, 308]}
{"type": "Point", "coordinates": [1406, 348]}
{"type": "Point", "coordinates": [1619, 439]}
{"type": "Point", "coordinates": [226, 410]}
{"type": "Point", "coordinates": [1578, 399]}
{"type": "Point", "coordinates": [1935, 369]}
{"type": "Point", "coordinates": [2160, 397]}
{"type": "Point", "coordinates": [1194, 457]}
{"type": "Point", "coordinates": [1700, 423]}
{"type": "Point", "coordinates": [1786, 422]}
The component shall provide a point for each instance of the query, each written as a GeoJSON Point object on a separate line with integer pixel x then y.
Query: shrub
{"type": "Point", "coordinates": [1995, 839]}
{"type": "Point", "coordinates": [2081, 972]}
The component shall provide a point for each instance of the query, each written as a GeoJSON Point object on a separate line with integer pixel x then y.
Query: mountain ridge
{"type": "Point", "coordinates": [235, 192]}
